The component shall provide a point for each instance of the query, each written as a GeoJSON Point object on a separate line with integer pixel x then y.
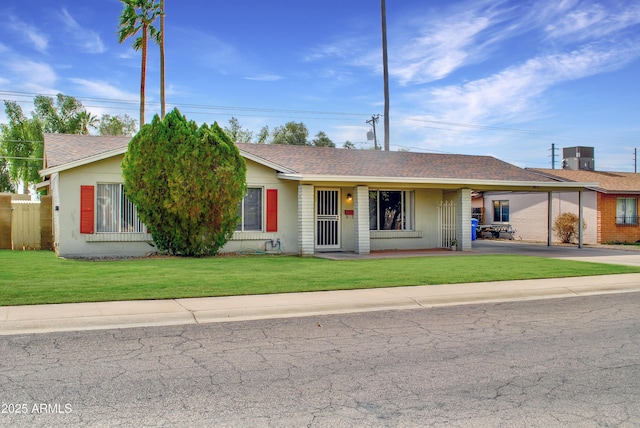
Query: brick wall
{"type": "Point", "coordinates": [608, 230]}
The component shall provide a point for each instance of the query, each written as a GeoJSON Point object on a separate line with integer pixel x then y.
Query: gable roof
{"type": "Point", "coordinates": [327, 164]}
{"type": "Point", "coordinates": [310, 160]}
{"type": "Point", "coordinates": [608, 182]}
{"type": "Point", "coordinates": [67, 149]}
{"type": "Point", "coordinates": [332, 164]}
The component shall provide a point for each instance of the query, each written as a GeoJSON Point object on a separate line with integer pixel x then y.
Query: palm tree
{"type": "Point", "coordinates": [87, 120]}
{"type": "Point", "coordinates": [138, 16]}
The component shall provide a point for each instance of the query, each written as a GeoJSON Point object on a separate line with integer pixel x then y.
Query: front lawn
{"type": "Point", "coordinates": [36, 277]}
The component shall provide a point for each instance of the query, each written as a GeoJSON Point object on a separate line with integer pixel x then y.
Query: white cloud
{"type": "Point", "coordinates": [265, 77]}
{"type": "Point", "coordinates": [32, 74]}
{"type": "Point", "coordinates": [346, 47]}
{"type": "Point", "coordinates": [427, 46]}
{"type": "Point", "coordinates": [592, 21]}
{"type": "Point", "coordinates": [442, 48]}
{"type": "Point", "coordinates": [218, 55]}
{"type": "Point", "coordinates": [34, 36]}
{"type": "Point", "coordinates": [102, 89]}
{"type": "Point", "coordinates": [353, 133]}
{"type": "Point", "coordinates": [88, 40]}
{"type": "Point", "coordinates": [516, 90]}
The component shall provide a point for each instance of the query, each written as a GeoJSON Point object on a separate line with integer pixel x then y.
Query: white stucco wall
{"type": "Point", "coordinates": [293, 236]}
{"type": "Point", "coordinates": [425, 233]}
{"type": "Point", "coordinates": [261, 176]}
{"type": "Point", "coordinates": [69, 242]}
{"type": "Point", "coordinates": [528, 213]}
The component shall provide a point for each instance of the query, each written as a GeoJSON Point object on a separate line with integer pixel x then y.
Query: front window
{"type": "Point", "coordinates": [115, 212]}
{"type": "Point", "coordinates": [626, 211]}
{"type": "Point", "coordinates": [390, 210]}
{"type": "Point", "coordinates": [250, 211]}
{"type": "Point", "coordinates": [501, 211]}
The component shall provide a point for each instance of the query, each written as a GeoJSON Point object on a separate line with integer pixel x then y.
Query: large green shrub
{"type": "Point", "coordinates": [186, 182]}
{"type": "Point", "coordinates": [566, 227]}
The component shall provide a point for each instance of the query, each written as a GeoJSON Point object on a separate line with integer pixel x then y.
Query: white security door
{"type": "Point", "coordinates": [327, 219]}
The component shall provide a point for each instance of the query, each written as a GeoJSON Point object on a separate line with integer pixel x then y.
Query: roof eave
{"type": "Point", "coordinates": [619, 192]}
{"type": "Point", "coordinates": [84, 161]}
{"type": "Point", "coordinates": [475, 184]}
{"type": "Point", "coordinates": [265, 162]}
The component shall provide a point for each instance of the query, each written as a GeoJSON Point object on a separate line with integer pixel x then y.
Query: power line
{"type": "Point", "coordinates": [187, 105]}
{"type": "Point", "coordinates": [224, 110]}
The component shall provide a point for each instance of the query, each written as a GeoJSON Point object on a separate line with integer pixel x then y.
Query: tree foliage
{"type": "Point", "coordinates": [22, 137]}
{"type": "Point", "coordinates": [6, 185]}
{"type": "Point", "coordinates": [21, 145]}
{"type": "Point", "coordinates": [322, 140]}
{"type": "Point", "coordinates": [348, 145]}
{"type": "Point", "coordinates": [263, 135]}
{"type": "Point", "coordinates": [237, 133]}
{"type": "Point", "coordinates": [186, 182]}
{"type": "Point", "coordinates": [116, 125]}
{"type": "Point", "coordinates": [566, 227]}
{"type": "Point", "coordinates": [64, 115]}
{"type": "Point", "coordinates": [293, 133]}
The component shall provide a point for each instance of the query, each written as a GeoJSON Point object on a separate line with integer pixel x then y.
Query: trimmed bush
{"type": "Point", "coordinates": [566, 227]}
{"type": "Point", "coordinates": [186, 182]}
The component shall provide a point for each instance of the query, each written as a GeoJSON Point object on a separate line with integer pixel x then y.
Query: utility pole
{"type": "Point", "coordinates": [162, 79]}
{"type": "Point", "coordinates": [385, 66]}
{"type": "Point", "coordinates": [635, 161]}
{"type": "Point", "coordinates": [372, 122]}
{"type": "Point", "coordinates": [553, 156]}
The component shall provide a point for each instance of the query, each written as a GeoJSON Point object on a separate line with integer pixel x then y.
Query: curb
{"type": "Point", "coordinates": [16, 320]}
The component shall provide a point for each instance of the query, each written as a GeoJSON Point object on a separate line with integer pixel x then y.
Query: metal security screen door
{"type": "Point", "coordinates": [327, 219]}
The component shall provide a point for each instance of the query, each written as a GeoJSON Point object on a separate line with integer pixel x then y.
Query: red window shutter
{"type": "Point", "coordinates": [87, 209]}
{"type": "Point", "coordinates": [272, 210]}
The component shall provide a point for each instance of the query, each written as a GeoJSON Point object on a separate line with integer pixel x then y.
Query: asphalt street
{"type": "Point", "coordinates": [552, 363]}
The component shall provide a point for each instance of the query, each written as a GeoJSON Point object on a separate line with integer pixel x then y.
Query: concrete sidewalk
{"type": "Point", "coordinates": [107, 315]}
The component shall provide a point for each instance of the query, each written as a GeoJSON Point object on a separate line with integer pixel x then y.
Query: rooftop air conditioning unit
{"type": "Point", "coordinates": [578, 158]}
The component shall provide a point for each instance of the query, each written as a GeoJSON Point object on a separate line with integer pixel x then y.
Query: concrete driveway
{"type": "Point", "coordinates": [622, 255]}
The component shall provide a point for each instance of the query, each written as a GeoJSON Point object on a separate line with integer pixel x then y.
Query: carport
{"type": "Point", "coordinates": [549, 188]}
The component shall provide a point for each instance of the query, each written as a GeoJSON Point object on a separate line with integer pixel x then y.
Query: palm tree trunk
{"type": "Point", "coordinates": [162, 97]}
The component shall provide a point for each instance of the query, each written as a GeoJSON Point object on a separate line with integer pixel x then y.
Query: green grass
{"type": "Point", "coordinates": [38, 277]}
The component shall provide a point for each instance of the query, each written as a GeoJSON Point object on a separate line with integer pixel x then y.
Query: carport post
{"type": "Point", "coordinates": [549, 217]}
{"type": "Point", "coordinates": [580, 213]}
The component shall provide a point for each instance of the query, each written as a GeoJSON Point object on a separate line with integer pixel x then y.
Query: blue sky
{"type": "Point", "coordinates": [499, 78]}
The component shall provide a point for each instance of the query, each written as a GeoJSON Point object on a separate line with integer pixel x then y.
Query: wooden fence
{"type": "Point", "coordinates": [25, 225]}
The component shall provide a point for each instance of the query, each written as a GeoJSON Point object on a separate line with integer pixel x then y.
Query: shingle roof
{"type": "Point", "coordinates": [608, 182]}
{"type": "Point", "coordinates": [61, 149]}
{"type": "Point", "coordinates": [308, 160]}
{"type": "Point", "coordinates": [64, 149]}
